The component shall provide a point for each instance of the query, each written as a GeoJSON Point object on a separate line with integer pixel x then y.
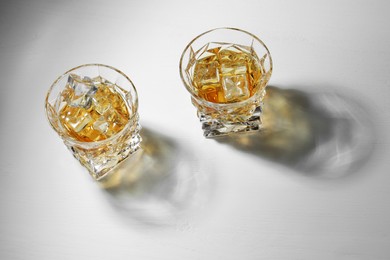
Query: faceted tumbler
{"type": "Point", "coordinates": [93, 108]}
{"type": "Point", "coordinates": [226, 71]}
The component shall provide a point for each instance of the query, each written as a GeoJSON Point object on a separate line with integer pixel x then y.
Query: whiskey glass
{"type": "Point", "coordinates": [93, 108]}
{"type": "Point", "coordinates": [226, 71]}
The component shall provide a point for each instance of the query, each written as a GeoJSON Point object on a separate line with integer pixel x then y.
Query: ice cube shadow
{"type": "Point", "coordinates": [160, 185]}
{"type": "Point", "coordinates": [321, 134]}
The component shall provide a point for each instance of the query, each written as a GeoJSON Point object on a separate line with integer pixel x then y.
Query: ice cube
{"type": "Point", "coordinates": [235, 87]}
{"type": "Point", "coordinates": [78, 119]}
{"type": "Point", "coordinates": [100, 125]}
{"type": "Point", "coordinates": [101, 104]}
{"type": "Point", "coordinates": [207, 73]}
{"type": "Point", "coordinates": [99, 80]}
{"type": "Point", "coordinates": [81, 91]}
{"type": "Point", "coordinates": [235, 81]}
{"type": "Point", "coordinates": [233, 69]}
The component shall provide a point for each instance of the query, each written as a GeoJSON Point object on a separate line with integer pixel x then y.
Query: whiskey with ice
{"type": "Point", "coordinates": [93, 109]}
{"type": "Point", "coordinates": [226, 70]}
{"type": "Point", "coordinates": [226, 73]}
{"type": "Point", "coordinates": [97, 120]}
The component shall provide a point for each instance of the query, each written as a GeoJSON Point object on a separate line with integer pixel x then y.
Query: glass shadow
{"type": "Point", "coordinates": [319, 134]}
{"type": "Point", "coordinates": [160, 184]}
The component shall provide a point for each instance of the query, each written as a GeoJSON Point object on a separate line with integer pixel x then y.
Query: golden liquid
{"type": "Point", "coordinates": [226, 74]}
{"type": "Point", "coordinates": [106, 114]}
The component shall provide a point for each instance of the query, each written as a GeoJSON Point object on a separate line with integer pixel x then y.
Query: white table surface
{"type": "Point", "coordinates": [315, 186]}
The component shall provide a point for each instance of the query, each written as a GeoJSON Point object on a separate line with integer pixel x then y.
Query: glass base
{"type": "Point", "coordinates": [215, 127]}
{"type": "Point", "coordinates": [100, 160]}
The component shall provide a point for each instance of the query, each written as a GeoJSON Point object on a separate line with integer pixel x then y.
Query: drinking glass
{"type": "Point", "coordinates": [226, 71]}
{"type": "Point", "coordinates": [93, 108]}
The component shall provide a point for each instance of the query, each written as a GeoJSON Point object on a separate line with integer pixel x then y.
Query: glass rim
{"type": "Point", "coordinates": [188, 87]}
{"type": "Point", "coordinates": [92, 143]}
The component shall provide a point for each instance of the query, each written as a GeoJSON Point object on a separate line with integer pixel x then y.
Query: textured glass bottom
{"type": "Point", "coordinates": [216, 127]}
{"type": "Point", "coordinates": [219, 120]}
{"type": "Point", "coordinates": [101, 159]}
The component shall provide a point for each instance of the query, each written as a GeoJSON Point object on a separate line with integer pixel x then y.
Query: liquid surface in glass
{"type": "Point", "coordinates": [225, 73]}
{"type": "Point", "coordinates": [92, 109]}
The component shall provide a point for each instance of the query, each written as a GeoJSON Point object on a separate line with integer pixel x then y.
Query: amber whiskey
{"type": "Point", "coordinates": [93, 109]}
{"type": "Point", "coordinates": [226, 73]}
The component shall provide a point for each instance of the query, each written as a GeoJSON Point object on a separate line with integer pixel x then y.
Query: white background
{"type": "Point", "coordinates": [195, 198]}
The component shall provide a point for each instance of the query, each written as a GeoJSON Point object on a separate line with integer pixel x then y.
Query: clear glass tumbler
{"type": "Point", "coordinates": [93, 108]}
{"type": "Point", "coordinates": [226, 70]}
